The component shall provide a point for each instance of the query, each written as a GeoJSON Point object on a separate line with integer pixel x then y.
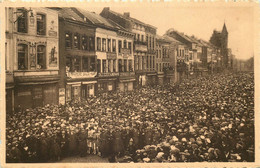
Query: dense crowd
{"type": "Point", "coordinates": [205, 119]}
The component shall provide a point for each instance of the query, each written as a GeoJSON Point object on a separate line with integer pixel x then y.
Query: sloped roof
{"type": "Point", "coordinates": [171, 39]}
{"type": "Point", "coordinates": [68, 13]}
{"type": "Point", "coordinates": [131, 19]}
{"type": "Point", "coordinates": [95, 18]}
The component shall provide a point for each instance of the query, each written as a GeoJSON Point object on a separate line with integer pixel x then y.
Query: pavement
{"type": "Point", "coordinates": [87, 159]}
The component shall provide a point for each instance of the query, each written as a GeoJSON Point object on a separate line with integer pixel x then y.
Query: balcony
{"type": "Point", "coordinates": [108, 74]}
{"type": "Point", "coordinates": [141, 42]}
{"type": "Point", "coordinates": [126, 74]}
{"type": "Point", "coordinates": [139, 47]}
{"type": "Point", "coordinates": [76, 75]}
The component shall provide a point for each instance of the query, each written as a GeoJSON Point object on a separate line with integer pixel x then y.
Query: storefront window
{"type": "Point", "coordinates": [41, 24]}
{"type": "Point", "coordinates": [22, 21]}
{"type": "Point", "coordinates": [22, 56]}
{"type": "Point", "coordinates": [41, 57]}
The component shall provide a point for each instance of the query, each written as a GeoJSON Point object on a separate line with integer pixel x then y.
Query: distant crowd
{"type": "Point", "coordinates": [205, 119]}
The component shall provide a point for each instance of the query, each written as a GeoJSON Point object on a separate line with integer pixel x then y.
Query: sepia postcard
{"type": "Point", "coordinates": [129, 83]}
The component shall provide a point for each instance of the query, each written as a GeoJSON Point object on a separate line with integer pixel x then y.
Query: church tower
{"type": "Point", "coordinates": [224, 45]}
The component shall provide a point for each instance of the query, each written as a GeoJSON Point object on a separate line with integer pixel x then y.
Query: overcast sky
{"type": "Point", "coordinates": [198, 20]}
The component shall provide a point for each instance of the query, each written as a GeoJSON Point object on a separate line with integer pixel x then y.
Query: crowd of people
{"type": "Point", "coordinates": [205, 119]}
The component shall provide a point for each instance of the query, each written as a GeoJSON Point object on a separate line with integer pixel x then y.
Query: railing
{"type": "Point", "coordinates": [81, 74]}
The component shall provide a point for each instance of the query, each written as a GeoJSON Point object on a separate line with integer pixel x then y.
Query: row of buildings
{"type": "Point", "coordinates": [54, 55]}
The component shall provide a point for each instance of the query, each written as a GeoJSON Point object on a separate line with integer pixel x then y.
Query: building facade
{"type": "Point", "coordinates": [78, 60]}
{"type": "Point", "coordinates": [144, 45]}
{"type": "Point", "coordinates": [32, 57]}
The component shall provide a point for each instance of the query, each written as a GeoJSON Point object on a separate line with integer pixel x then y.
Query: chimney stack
{"type": "Point", "coordinates": [127, 14]}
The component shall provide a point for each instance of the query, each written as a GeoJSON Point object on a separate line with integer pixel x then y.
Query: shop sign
{"type": "Point", "coordinates": [81, 74]}
{"type": "Point", "coordinates": [106, 74]}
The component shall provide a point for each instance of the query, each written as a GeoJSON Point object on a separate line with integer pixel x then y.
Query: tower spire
{"type": "Point", "coordinates": [224, 29]}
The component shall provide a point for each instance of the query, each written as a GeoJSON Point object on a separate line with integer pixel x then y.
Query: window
{"type": "Point", "coordinates": [91, 43]}
{"type": "Point", "coordinates": [84, 40]}
{"type": "Point", "coordinates": [68, 40]}
{"type": "Point", "coordinates": [109, 65]}
{"type": "Point", "coordinates": [22, 57]}
{"type": "Point", "coordinates": [22, 21]}
{"type": "Point", "coordinates": [142, 38]}
{"type": "Point", "coordinates": [98, 65]}
{"type": "Point", "coordinates": [104, 44]}
{"type": "Point", "coordinates": [76, 41]}
{"type": "Point", "coordinates": [114, 45]}
{"type": "Point", "coordinates": [41, 24]}
{"type": "Point", "coordinates": [114, 65]}
{"type": "Point", "coordinates": [130, 47]}
{"type": "Point", "coordinates": [130, 65]}
{"type": "Point", "coordinates": [150, 42]}
{"type": "Point", "coordinates": [125, 65]}
{"type": "Point", "coordinates": [138, 37]}
{"type": "Point", "coordinates": [119, 46]}
{"type": "Point", "coordinates": [104, 62]}
{"type": "Point", "coordinates": [98, 44]}
{"type": "Point", "coordinates": [147, 39]}
{"type": "Point", "coordinates": [120, 65]}
{"type": "Point", "coordinates": [68, 64]}
{"type": "Point", "coordinates": [77, 63]}
{"type": "Point", "coordinates": [109, 45]}
{"type": "Point", "coordinates": [41, 57]}
{"type": "Point", "coordinates": [85, 64]}
{"type": "Point", "coordinates": [125, 44]}
{"type": "Point", "coordinates": [92, 64]}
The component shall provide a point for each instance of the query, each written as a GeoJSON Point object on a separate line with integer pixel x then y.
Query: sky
{"type": "Point", "coordinates": [197, 20]}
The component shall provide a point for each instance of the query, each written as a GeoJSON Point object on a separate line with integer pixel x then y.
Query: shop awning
{"type": "Point", "coordinates": [89, 82]}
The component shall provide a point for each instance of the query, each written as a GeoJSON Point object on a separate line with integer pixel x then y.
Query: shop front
{"type": "Point", "coordinates": [151, 78]}
{"type": "Point", "coordinates": [107, 85]}
{"type": "Point", "coordinates": [33, 95]}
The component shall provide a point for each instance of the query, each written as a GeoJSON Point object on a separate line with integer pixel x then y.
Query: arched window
{"type": "Point", "coordinates": [22, 56]}
{"type": "Point", "coordinates": [41, 57]}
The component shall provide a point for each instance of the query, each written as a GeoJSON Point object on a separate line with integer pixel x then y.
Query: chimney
{"type": "Point", "coordinates": [127, 14]}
